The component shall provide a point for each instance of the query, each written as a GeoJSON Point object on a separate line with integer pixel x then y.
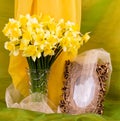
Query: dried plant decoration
{"type": "Point", "coordinates": [84, 95]}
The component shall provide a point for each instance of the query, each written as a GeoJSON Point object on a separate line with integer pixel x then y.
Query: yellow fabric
{"type": "Point", "coordinates": [67, 9]}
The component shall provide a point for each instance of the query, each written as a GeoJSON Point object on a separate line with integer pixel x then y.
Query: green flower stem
{"type": "Point", "coordinates": [44, 64]}
{"type": "Point", "coordinates": [47, 61]}
{"type": "Point", "coordinates": [38, 74]}
{"type": "Point", "coordinates": [57, 53]}
{"type": "Point", "coordinates": [38, 65]}
{"type": "Point", "coordinates": [42, 61]}
{"type": "Point", "coordinates": [31, 63]}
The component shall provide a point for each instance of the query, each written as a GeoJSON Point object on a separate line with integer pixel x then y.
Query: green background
{"type": "Point", "coordinates": [102, 19]}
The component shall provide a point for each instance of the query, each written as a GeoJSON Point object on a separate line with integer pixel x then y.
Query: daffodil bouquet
{"type": "Point", "coordinates": [41, 39]}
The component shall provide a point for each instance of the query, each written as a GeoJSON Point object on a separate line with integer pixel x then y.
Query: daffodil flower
{"type": "Point", "coordinates": [37, 36]}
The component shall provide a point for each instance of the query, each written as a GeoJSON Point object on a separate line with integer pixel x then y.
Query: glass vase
{"type": "Point", "coordinates": [38, 83]}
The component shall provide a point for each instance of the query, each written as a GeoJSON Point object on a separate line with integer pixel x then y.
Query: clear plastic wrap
{"type": "Point", "coordinates": [91, 58]}
{"type": "Point", "coordinates": [15, 100]}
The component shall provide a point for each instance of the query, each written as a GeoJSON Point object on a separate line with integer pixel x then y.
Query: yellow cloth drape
{"type": "Point", "coordinates": [67, 9]}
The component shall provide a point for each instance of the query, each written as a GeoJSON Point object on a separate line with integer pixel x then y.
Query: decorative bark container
{"type": "Point", "coordinates": [85, 83]}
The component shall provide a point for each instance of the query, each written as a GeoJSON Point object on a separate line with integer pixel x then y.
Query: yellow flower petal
{"type": "Point", "coordinates": [30, 51]}
{"type": "Point", "coordinates": [27, 35]}
{"type": "Point", "coordinates": [9, 46]}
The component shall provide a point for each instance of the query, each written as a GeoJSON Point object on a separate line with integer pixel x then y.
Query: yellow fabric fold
{"type": "Point", "coordinates": [23, 7]}
{"type": "Point", "coordinates": [67, 9]}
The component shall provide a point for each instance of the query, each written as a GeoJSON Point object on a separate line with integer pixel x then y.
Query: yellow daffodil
{"type": "Point", "coordinates": [46, 18]}
{"type": "Point", "coordinates": [48, 50]}
{"type": "Point", "coordinates": [38, 38]}
{"type": "Point", "coordinates": [23, 45]}
{"type": "Point", "coordinates": [9, 46]}
{"type": "Point", "coordinates": [23, 20]}
{"type": "Point", "coordinates": [12, 29]}
{"type": "Point", "coordinates": [52, 27]}
{"type": "Point", "coordinates": [71, 26]}
{"type": "Point", "coordinates": [30, 51]}
{"type": "Point", "coordinates": [27, 36]}
{"type": "Point", "coordinates": [53, 40]}
{"type": "Point", "coordinates": [42, 35]}
{"type": "Point", "coordinates": [12, 48]}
